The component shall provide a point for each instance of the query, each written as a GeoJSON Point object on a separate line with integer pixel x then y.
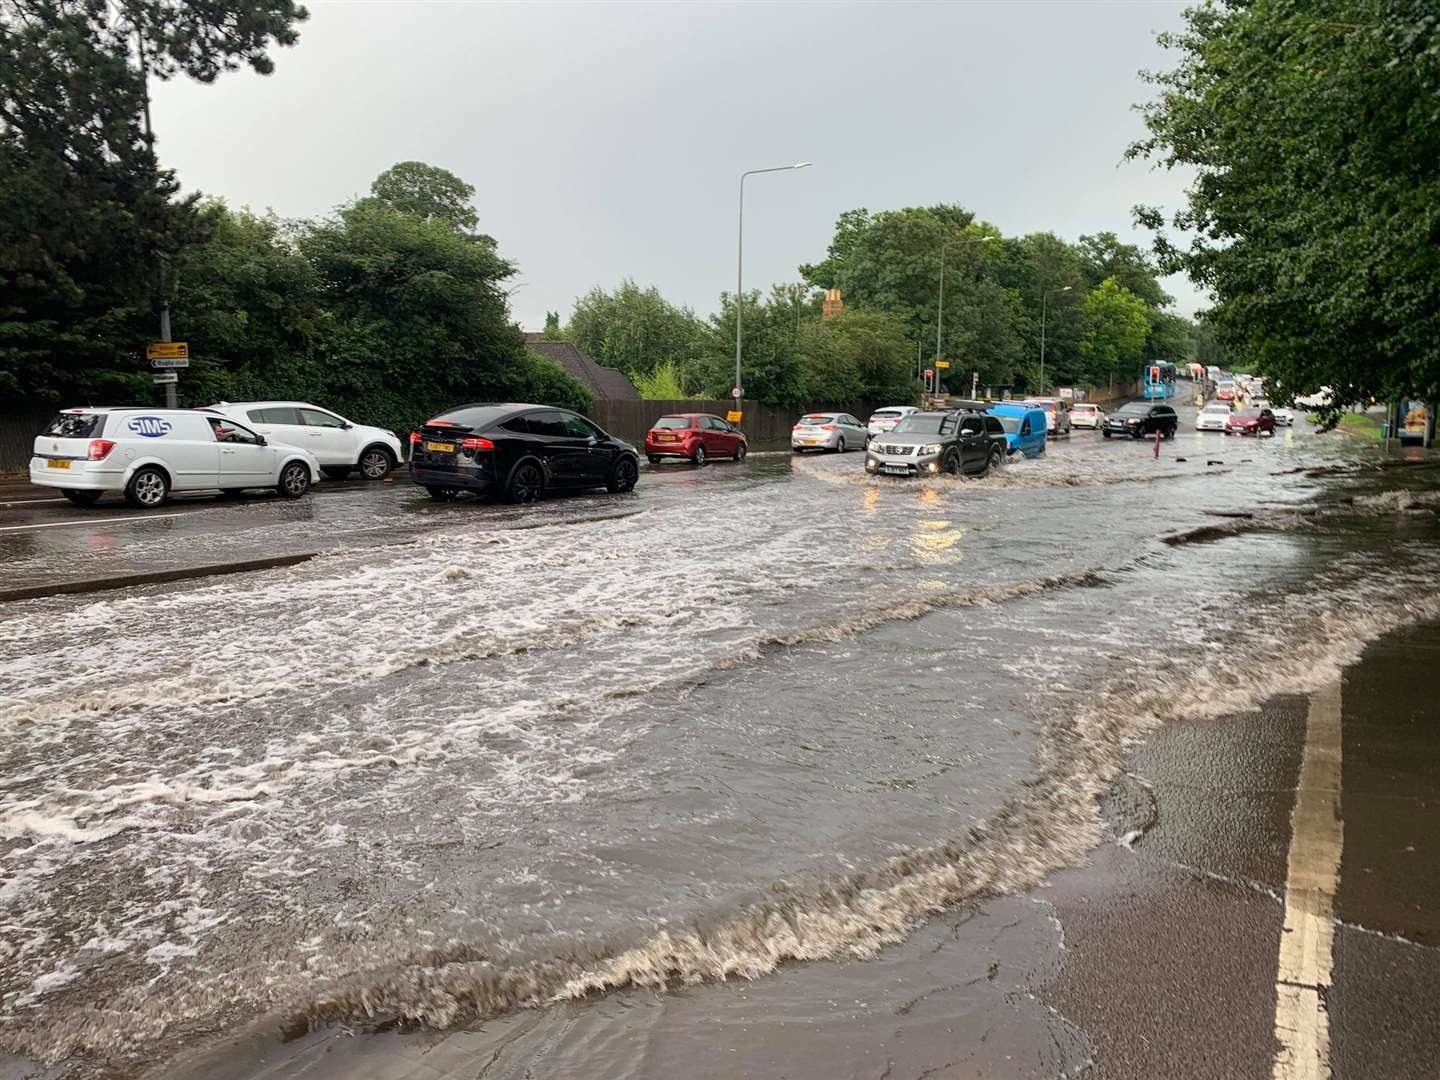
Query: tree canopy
{"type": "Point", "coordinates": [1313, 127]}
{"type": "Point", "coordinates": [428, 192]}
{"type": "Point", "coordinates": [89, 216]}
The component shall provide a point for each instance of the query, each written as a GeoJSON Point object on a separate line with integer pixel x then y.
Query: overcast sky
{"type": "Point", "coordinates": [605, 140]}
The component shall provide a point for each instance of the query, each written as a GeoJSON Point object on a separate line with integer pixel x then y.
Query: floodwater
{"type": "Point", "coordinates": [744, 720]}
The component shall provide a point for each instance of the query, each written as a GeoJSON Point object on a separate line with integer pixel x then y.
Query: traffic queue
{"type": "Point", "coordinates": [519, 452]}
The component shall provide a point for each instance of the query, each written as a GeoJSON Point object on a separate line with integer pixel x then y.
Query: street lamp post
{"type": "Point", "coordinates": [940, 308]}
{"type": "Point", "coordinates": [1044, 297]}
{"type": "Point", "coordinates": [740, 260]}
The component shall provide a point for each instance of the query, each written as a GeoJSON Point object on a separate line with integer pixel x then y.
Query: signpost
{"type": "Point", "coordinates": [168, 356]}
{"type": "Point", "coordinates": [167, 350]}
{"type": "Point", "coordinates": [942, 363]}
{"type": "Point", "coordinates": [737, 393]}
{"type": "Point", "coordinates": [734, 416]}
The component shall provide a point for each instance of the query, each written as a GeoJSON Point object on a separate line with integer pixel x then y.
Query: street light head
{"type": "Point", "coordinates": [986, 239]}
{"type": "Point", "coordinates": [1067, 288]}
{"type": "Point", "coordinates": [802, 165]}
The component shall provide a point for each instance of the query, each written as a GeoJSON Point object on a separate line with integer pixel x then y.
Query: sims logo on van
{"type": "Point", "coordinates": [152, 427]}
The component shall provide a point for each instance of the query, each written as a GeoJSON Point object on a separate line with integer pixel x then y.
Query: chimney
{"type": "Point", "coordinates": [833, 304]}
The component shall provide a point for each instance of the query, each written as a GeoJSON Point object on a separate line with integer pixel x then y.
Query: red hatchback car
{"type": "Point", "coordinates": [1250, 422]}
{"type": "Point", "coordinates": [697, 437]}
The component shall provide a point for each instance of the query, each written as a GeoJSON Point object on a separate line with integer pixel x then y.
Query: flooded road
{"type": "Point", "coordinates": [750, 717]}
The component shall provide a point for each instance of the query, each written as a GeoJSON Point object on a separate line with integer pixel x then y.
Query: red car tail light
{"type": "Point", "coordinates": [414, 438]}
{"type": "Point", "coordinates": [474, 442]}
{"type": "Point", "coordinates": [100, 449]}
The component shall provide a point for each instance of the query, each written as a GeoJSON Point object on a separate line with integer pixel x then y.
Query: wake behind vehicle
{"type": "Point", "coordinates": [519, 452]}
{"type": "Point", "coordinates": [697, 437]}
{"type": "Point", "coordinates": [828, 431]}
{"type": "Point", "coordinates": [340, 446]}
{"type": "Point", "coordinates": [147, 454]}
{"type": "Point", "coordinates": [930, 443]}
{"type": "Point", "coordinates": [1140, 418]}
{"type": "Point", "coordinates": [1025, 427]}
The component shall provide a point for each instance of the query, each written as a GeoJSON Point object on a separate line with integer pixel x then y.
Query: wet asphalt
{"type": "Point", "coordinates": [1153, 954]}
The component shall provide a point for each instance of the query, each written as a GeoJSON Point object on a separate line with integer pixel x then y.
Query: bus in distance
{"type": "Point", "coordinates": [1159, 381]}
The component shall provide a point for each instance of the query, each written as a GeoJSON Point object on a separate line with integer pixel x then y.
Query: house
{"type": "Point", "coordinates": [605, 384]}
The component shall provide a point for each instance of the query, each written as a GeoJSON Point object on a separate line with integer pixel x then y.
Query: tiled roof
{"type": "Point", "coordinates": [603, 382]}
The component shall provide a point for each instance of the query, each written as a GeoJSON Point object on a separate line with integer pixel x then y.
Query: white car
{"type": "Point", "coordinates": [340, 446]}
{"type": "Point", "coordinates": [1283, 416]}
{"type": "Point", "coordinates": [828, 431]}
{"type": "Point", "coordinates": [882, 420]}
{"type": "Point", "coordinates": [1316, 400]}
{"type": "Point", "coordinates": [1213, 416]}
{"type": "Point", "coordinates": [1086, 415]}
{"type": "Point", "coordinates": [146, 454]}
{"type": "Point", "coordinates": [1057, 413]}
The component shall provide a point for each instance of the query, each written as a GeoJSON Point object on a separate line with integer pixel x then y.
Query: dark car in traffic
{"type": "Point", "coordinates": [1250, 422]}
{"type": "Point", "coordinates": [517, 452]}
{"type": "Point", "coordinates": [927, 443]}
{"type": "Point", "coordinates": [1140, 418]}
{"type": "Point", "coordinates": [697, 437]}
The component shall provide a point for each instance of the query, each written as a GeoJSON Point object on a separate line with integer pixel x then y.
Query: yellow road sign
{"type": "Point", "coordinates": [734, 416]}
{"type": "Point", "coordinates": [167, 350]}
{"type": "Point", "coordinates": [942, 363]}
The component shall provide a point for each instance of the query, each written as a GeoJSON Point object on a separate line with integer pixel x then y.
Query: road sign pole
{"type": "Point", "coordinates": [171, 388]}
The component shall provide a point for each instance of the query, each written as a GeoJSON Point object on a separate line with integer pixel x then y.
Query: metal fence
{"type": "Point", "coordinates": [17, 436]}
{"type": "Point", "coordinates": [765, 426]}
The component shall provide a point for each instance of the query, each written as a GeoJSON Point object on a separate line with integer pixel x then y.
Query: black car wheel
{"type": "Point", "coordinates": [699, 455]}
{"type": "Point", "coordinates": [740, 451]}
{"type": "Point", "coordinates": [840, 445]}
{"type": "Point", "coordinates": [995, 460]}
{"type": "Point", "coordinates": [294, 480]}
{"type": "Point", "coordinates": [950, 463]}
{"type": "Point", "coordinates": [81, 498]}
{"type": "Point", "coordinates": [148, 488]}
{"type": "Point", "coordinates": [376, 463]}
{"type": "Point", "coordinates": [527, 483]}
{"type": "Point", "coordinates": [1106, 434]}
{"type": "Point", "coordinates": [654, 459]}
{"type": "Point", "coordinates": [441, 494]}
{"type": "Point", "coordinates": [623, 476]}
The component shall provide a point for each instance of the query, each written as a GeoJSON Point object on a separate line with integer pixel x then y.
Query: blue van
{"type": "Point", "coordinates": [1024, 427]}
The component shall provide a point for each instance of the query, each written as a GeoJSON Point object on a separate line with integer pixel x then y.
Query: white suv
{"type": "Point", "coordinates": [148, 453]}
{"type": "Point", "coordinates": [340, 446]}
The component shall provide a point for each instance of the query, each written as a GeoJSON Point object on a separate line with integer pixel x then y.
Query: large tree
{"type": "Point", "coordinates": [429, 192]}
{"type": "Point", "coordinates": [87, 216]}
{"type": "Point", "coordinates": [1116, 328]}
{"type": "Point", "coordinates": [636, 330]}
{"type": "Point", "coordinates": [1313, 129]}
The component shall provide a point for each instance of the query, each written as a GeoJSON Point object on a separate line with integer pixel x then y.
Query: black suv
{"type": "Point", "coordinates": [1140, 418]}
{"type": "Point", "coordinates": [926, 443]}
{"type": "Point", "coordinates": [517, 451]}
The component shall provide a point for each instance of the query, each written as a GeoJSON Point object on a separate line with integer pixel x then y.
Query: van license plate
{"type": "Point", "coordinates": [440, 447]}
{"type": "Point", "coordinates": [57, 463]}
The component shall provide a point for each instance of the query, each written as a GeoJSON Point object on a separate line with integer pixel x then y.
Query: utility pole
{"type": "Point", "coordinates": [171, 387]}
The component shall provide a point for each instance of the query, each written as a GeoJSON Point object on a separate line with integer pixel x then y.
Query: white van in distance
{"type": "Point", "coordinates": [145, 454]}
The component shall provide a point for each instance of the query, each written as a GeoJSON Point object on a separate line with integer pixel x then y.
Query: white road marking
{"type": "Point", "coordinates": [96, 521]}
{"type": "Point", "coordinates": [28, 502]}
{"type": "Point", "coordinates": [1302, 1023]}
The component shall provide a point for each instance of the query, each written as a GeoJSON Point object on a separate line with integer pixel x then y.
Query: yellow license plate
{"type": "Point", "coordinates": [664, 438]}
{"type": "Point", "coordinates": [441, 447]}
{"type": "Point", "coordinates": [57, 463]}
{"type": "Point", "coordinates": [812, 442]}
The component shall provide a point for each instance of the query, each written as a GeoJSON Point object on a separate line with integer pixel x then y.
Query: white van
{"type": "Point", "coordinates": [146, 454]}
{"type": "Point", "coordinates": [338, 444]}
